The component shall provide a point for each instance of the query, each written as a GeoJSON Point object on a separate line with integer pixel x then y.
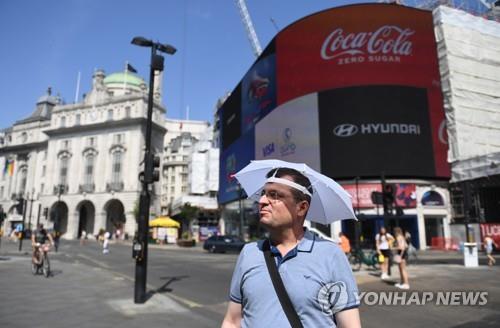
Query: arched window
{"type": "Point", "coordinates": [116, 170]}
{"type": "Point", "coordinates": [432, 198]}
{"type": "Point", "coordinates": [63, 170]}
{"type": "Point", "coordinates": [110, 114]}
{"type": "Point", "coordinates": [24, 137]}
{"type": "Point", "coordinates": [88, 178]}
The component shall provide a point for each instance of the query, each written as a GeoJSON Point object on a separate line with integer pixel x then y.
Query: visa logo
{"type": "Point", "coordinates": [268, 149]}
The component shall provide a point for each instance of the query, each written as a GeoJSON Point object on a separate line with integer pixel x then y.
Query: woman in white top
{"type": "Point", "coordinates": [383, 241]}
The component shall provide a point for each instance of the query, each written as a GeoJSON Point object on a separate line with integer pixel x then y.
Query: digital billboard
{"type": "Point", "coordinates": [233, 159]}
{"type": "Point", "coordinates": [353, 91]}
{"type": "Point", "coordinates": [295, 141]}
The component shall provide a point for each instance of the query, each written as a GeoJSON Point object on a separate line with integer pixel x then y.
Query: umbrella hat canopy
{"type": "Point", "coordinates": [164, 222]}
{"type": "Point", "coordinates": [329, 202]}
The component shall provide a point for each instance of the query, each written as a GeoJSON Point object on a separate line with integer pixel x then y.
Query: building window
{"type": "Point", "coordinates": [63, 170]}
{"type": "Point", "coordinates": [184, 158]}
{"type": "Point", "coordinates": [66, 144]}
{"type": "Point", "coordinates": [24, 137]}
{"type": "Point", "coordinates": [184, 179]}
{"type": "Point", "coordinates": [89, 169]}
{"type": "Point", "coordinates": [183, 189]}
{"type": "Point", "coordinates": [116, 169]}
{"type": "Point", "coordinates": [90, 141]}
{"type": "Point", "coordinates": [172, 179]}
{"type": "Point", "coordinates": [63, 122]}
{"type": "Point", "coordinates": [44, 169]}
{"type": "Point", "coordinates": [172, 189]}
{"type": "Point", "coordinates": [117, 139]}
{"type": "Point", "coordinates": [1, 192]}
{"type": "Point", "coordinates": [78, 119]}
{"type": "Point", "coordinates": [110, 114]}
{"type": "Point", "coordinates": [42, 187]}
{"type": "Point", "coordinates": [127, 112]}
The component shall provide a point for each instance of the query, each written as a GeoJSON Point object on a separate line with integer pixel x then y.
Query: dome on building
{"type": "Point", "coordinates": [122, 78]}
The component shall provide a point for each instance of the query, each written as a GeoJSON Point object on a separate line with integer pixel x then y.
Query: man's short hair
{"type": "Point", "coordinates": [297, 178]}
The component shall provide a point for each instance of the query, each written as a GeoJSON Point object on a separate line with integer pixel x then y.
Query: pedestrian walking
{"type": "Point", "coordinates": [105, 244]}
{"type": "Point", "coordinates": [293, 278]}
{"type": "Point", "coordinates": [400, 257]}
{"type": "Point", "coordinates": [488, 247]}
{"type": "Point", "coordinates": [383, 241]}
{"type": "Point", "coordinates": [83, 237]}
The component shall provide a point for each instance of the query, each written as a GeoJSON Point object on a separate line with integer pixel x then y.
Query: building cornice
{"type": "Point", "coordinates": [101, 126]}
{"type": "Point", "coordinates": [21, 148]}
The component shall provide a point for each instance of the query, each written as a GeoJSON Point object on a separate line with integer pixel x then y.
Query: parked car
{"type": "Point", "coordinates": [224, 243]}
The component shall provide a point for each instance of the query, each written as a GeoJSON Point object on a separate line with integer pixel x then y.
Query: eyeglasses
{"type": "Point", "coordinates": [272, 195]}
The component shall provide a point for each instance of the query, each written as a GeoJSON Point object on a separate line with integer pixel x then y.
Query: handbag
{"type": "Point", "coordinates": [283, 297]}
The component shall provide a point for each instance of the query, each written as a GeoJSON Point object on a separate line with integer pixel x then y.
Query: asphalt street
{"type": "Point", "coordinates": [188, 288]}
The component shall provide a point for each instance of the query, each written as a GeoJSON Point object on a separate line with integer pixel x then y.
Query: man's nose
{"type": "Point", "coordinates": [263, 199]}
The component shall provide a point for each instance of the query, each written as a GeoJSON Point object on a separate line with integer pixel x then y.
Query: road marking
{"type": "Point", "coordinates": [186, 302]}
{"type": "Point", "coordinates": [94, 261]}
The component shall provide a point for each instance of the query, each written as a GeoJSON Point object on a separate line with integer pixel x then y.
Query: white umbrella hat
{"type": "Point", "coordinates": [329, 201]}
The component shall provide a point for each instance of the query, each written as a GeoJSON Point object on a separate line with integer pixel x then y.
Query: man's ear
{"type": "Point", "coordinates": [303, 207]}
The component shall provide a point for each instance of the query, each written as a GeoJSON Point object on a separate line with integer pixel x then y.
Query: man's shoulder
{"type": "Point", "coordinates": [327, 247]}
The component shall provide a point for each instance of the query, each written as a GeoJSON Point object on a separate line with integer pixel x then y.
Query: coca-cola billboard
{"type": "Point", "coordinates": [389, 40]}
{"type": "Point", "coordinates": [390, 115]}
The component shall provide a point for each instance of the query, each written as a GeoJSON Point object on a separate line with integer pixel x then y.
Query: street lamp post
{"type": "Point", "coordinates": [31, 199]}
{"type": "Point", "coordinates": [141, 243]}
{"type": "Point", "coordinates": [22, 206]}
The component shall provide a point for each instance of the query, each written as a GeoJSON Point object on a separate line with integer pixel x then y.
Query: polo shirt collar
{"type": "Point", "coordinates": [307, 242]}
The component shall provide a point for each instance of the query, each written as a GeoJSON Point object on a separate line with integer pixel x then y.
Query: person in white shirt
{"type": "Point", "coordinates": [383, 241]}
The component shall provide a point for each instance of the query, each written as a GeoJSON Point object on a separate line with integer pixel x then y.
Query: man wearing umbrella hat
{"type": "Point", "coordinates": [317, 286]}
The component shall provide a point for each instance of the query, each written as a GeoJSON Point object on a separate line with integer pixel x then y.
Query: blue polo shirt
{"type": "Point", "coordinates": [316, 275]}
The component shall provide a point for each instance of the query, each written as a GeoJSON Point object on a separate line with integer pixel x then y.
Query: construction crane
{"type": "Point", "coordinates": [247, 22]}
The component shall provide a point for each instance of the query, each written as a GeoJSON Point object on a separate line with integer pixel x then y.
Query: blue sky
{"type": "Point", "coordinates": [46, 43]}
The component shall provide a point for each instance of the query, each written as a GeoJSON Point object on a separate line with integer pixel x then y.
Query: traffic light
{"type": "Point", "coordinates": [156, 171]}
{"type": "Point", "coordinates": [389, 194]}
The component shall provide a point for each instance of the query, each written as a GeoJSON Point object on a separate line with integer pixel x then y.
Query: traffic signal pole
{"type": "Point", "coordinates": [24, 201]}
{"type": "Point", "coordinates": [149, 176]}
{"type": "Point", "coordinates": [141, 264]}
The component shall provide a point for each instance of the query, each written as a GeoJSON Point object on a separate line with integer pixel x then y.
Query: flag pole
{"type": "Point", "coordinates": [125, 79]}
{"type": "Point", "coordinates": [77, 86]}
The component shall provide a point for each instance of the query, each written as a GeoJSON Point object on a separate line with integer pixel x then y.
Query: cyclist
{"type": "Point", "coordinates": [38, 238]}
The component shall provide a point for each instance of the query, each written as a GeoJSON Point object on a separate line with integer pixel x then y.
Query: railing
{"type": "Point", "coordinates": [60, 189]}
{"type": "Point", "coordinates": [114, 186]}
{"type": "Point", "coordinates": [87, 187]}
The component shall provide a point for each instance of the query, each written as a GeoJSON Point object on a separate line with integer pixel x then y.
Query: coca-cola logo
{"type": "Point", "coordinates": [386, 40]}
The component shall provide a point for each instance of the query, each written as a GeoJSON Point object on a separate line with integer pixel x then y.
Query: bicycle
{"type": "Point", "coordinates": [41, 253]}
{"type": "Point", "coordinates": [359, 257]}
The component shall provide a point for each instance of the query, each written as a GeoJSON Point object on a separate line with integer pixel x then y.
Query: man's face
{"type": "Point", "coordinates": [277, 206]}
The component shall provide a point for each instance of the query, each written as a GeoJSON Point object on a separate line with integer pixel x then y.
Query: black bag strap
{"type": "Point", "coordinates": [285, 301]}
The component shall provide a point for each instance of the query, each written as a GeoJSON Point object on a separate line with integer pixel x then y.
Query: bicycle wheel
{"type": "Point", "coordinates": [34, 268]}
{"type": "Point", "coordinates": [355, 262]}
{"type": "Point", "coordinates": [46, 266]}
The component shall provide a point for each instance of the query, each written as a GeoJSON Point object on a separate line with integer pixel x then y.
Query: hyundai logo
{"type": "Point", "coordinates": [345, 130]}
